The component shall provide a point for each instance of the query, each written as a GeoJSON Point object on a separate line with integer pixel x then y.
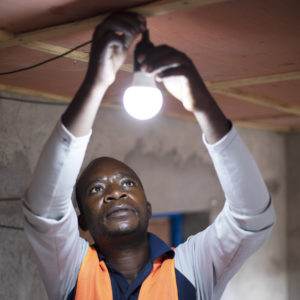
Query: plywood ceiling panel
{"type": "Point", "coordinates": [234, 39]}
{"type": "Point", "coordinates": [22, 16]}
{"type": "Point", "coordinates": [228, 40]}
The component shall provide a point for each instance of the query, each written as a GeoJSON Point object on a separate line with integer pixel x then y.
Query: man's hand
{"type": "Point", "coordinates": [178, 74]}
{"type": "Point", "coordinates": [182, 80]}
{"type": "Point", "coordinates": [111, 41]}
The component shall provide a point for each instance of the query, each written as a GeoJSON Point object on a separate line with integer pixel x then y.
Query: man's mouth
{"type": "Point", "coordinates": [120, 212]}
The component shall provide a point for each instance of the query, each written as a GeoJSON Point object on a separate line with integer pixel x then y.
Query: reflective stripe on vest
{"type": "Point", "coordinates": [94, 282]}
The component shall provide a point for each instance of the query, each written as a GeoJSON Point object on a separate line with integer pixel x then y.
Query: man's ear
{"type": "Point", "coordinates": [82, 222]}
{"type": "Point", "coordinates": [149, 210]}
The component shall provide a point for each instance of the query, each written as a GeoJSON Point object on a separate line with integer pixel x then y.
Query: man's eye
{"type": "Point", "coordinates": [96, 189]}
{"type": "Point", "coordinates": [128, 183]}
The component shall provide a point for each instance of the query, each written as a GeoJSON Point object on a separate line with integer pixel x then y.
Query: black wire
{"type": "Point", "coordinates": [45, 61]}
{"type": "Point", "coordinates": [10, 199]}
{"type": "Point", "coordinates": [11, 227]}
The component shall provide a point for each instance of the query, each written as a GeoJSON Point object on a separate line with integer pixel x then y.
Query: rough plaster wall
{"type": "Point", "coordinates": [293, 213]}
{"type": "Point", "coordinates": [176, 171]}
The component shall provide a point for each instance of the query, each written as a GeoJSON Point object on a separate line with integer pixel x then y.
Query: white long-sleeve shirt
{"type": "Point", "coordinates": [208, 259]}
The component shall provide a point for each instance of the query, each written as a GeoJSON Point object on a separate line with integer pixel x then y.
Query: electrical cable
{"type": "Point", "coordinates": [11, 227]}
{"type": "Point", "coordinates": [45, 61]}
{"type": "Point", "coordinates": [10, 199]}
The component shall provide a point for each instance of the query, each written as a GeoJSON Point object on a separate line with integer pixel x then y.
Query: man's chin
{"type": "Point", "coordinates": [121, 233]}
{"type": "Point", "coordinates": [122, 230]}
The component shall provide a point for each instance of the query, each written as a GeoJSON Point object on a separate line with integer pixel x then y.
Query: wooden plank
{"type": "Point", "coordinates": [40, 97]}
{"type": "Point", "coordinates": [167, 6]}
{"type": "Point", "coordinates": [260, 100]}
{"type": "Point", "coordinates": [58, 50]}
{"type": "Point", "coordinates": [21, 94]}
{"type": "Point", "coordinates": [5, 36]}
{"type": "Point", "coordinates": [261, 125]}
{"type": "Point", "coordinates": [150, 9]}
{"type": "Point", "coordinates": [52, 32]}
{"type": "Point", "coordinates": [29, 95]}
{"type": "Point", "coordinates": [254, 80]}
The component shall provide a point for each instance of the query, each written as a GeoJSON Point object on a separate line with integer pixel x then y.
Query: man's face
{"type": "Point", "coordinates": [112, 199]}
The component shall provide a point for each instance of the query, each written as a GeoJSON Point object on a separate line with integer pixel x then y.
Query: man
{"type": "Point", "coordinates": [126, 262]}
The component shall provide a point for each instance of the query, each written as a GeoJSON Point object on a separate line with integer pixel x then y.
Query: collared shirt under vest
{"type": "Point", "coordinates": [97, 280]}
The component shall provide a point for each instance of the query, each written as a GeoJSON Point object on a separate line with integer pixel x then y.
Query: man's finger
{"type": "Point", "coordinates": [161, 58]}
{"type": "Point", "coordinates": [107, 39]}
{"type": "Point", "coordinates": [129, 30]}
{"type": "Point", "coordinates": [174, 71]}
{"type": "Point", "coordinates": [128, 24]}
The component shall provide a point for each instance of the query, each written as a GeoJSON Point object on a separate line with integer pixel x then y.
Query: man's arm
{"type": "Point", "coordinates": [210, 258]}
{"type": "Point", "coordinates": [109, 50]}
{"type": "Point", "coordinates": [50, 219]}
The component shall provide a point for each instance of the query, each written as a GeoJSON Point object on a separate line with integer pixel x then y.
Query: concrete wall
{"type": "Point", "coordinates": [293, 213]}
{"type": "Point", "coordinates": [168, 154]}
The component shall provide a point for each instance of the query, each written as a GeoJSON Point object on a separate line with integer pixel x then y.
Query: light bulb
{"type": "Point", "coordinates": [143, 99]}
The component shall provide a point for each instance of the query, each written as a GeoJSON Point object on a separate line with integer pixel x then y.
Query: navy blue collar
{"type": "Point", "coordinates": [158, 248]}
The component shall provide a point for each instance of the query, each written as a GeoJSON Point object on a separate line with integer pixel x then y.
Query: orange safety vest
{"type": "Point", "coordinates": [94, 282]}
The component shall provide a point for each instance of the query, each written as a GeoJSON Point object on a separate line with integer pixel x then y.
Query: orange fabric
{"type": "Point", "coordinates": [161, 282]}
{"type": "Point", "coordinates": [94, 282]}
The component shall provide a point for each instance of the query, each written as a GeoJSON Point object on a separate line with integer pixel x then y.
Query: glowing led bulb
{"type": "Point", "coordinates": [143, 99]}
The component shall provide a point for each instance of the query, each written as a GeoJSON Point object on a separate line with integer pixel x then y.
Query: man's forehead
{"type": "Point", "coordinates": [105, 167]}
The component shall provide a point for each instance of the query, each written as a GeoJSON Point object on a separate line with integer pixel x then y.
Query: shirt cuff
{"type": "Point", "coordinates": [221, 144]}
{"type": "Point", "coordinates": [66, 137]}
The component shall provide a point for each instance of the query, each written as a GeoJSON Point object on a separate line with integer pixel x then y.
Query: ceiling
{"type": "Point", "coordinates": [247, 51]}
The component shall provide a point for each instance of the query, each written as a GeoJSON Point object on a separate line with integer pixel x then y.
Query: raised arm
{"type": "Point", "coordinates": [109, 50]}
{"type": "Point", "coordinates": [210, 258]}
{"type": "Point", "coordinates": [50, 219]}
{"type": "Point", "coordinates": [111, 40]}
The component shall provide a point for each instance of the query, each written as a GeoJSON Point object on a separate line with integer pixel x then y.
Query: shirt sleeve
{"type": "Point", "coordinates": [50, 218]}
{"type": "Point", "coordinates": [210, 258]}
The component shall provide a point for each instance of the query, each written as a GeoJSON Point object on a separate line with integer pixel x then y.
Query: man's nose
{"type": "Point", "coordinates": [115, 194]}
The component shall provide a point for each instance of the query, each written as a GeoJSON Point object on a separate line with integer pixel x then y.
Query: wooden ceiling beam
{"type": "Point", "coordinates": [253, 124]}
{"type": "Point", "coordinates": [33, 96]}
{"type": "Point", "coordinates": [254, 80]}
{"type": "Point", "coordinates": [58, 50]}
{"type": "Point", "coordinates": [264, 126]}
{"type": "Point", "coordinates": [26, 95]}
{"type": "Point", "coordinates": [5, 36]}
{"type": "Point", "coordinates": [150, 9]}
{"type": "Point", "coordinates": [30, 95]}
{"type": "Point", "coordinates": [260, 100]}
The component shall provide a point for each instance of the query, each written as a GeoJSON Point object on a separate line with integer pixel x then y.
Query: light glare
{"type": "Point", "coordinates": [142, 102]}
